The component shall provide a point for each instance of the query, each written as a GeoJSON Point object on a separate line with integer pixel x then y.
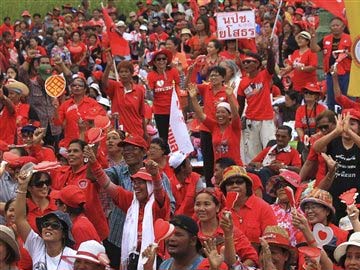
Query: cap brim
{"type": "Point", "coordinates": [313, 200]}
{"type": "Point", "coordinates": [83, 257]}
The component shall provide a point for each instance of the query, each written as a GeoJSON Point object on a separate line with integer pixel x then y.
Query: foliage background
{"type": "Point", "coordinates": [14, 8]}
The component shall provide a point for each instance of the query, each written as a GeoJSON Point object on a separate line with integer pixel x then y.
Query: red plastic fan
{"type": "Point", "coordinates": [231, 198]}
{"type": "Point", "coordinates": [290, 194]}
{"type": "Point", "coordinates": [46, 165]}
{"type": "Point", "coordinates": [348, 197]}
{"type": "Point", "coordinates": [95, 135]}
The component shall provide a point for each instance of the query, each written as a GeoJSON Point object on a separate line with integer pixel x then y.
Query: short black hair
{"type": "Point", "coordinates": [225, 162]}
{"type": "Point", "coordinates": [288, 129]}
{"type": "Point", "coordinates": [7, 18]}
{"type": "Point", "coordinates": [218, 69]}
{"type": "Point", "coordinates": [79, 142]}
{"type": "Point", "coordinates": [160, 142]}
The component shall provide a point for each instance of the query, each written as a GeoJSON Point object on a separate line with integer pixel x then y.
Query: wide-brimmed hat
{"type": "Point", "coordinates": [134, 140]}
{"type": "Point", "coordinates": [277, 236]}
{"type": "Point", "coordinates": [64, 218]}
{"type": "Point", "coordinates": [340, 251]}
{"type": "Point", "coordinates": [142, 174]}
{"type": "Point", "coordinates": [7, 235]}
{"type": "Point", "coordinates": [319, 196]}
{"type": "Point", "coordinates": [92, 251]}
{"type": "Point", "coordinates": [166, 52]}
{"type": "Point", "coordinates": [70, 195]}
{"type": "Point", "coordinates": [234, 171]}
{"type": "Point", "coordinates": [185, 31]}
{"type": "Point", "coordinates": [290, 177]}
{"type": "Point", "coordinates": [18, 87]}
{"type": "Point", "coordinates": [305, 35]}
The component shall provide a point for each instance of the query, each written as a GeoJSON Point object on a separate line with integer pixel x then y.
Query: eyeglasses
{"type": "Point", "coordinates": [309, 93]}
{"type": "Point", "coordinates": [248, 62]}
{"type": "Point", "coordinates": [161, 59]}
{"type": "Point", "coordinates": [55, 225]}
{"type": "Point", "coordinates": [40, 184]}
{"type": "Point", "coordinates": [312, 207]}
{"type": "Point", "coordinates": [323, 127]}
{"type": "Point", "coordinates": [76, 84]}
{"type": "Point", "coordinates": [129, 148]}
{"type": "Point", "coordinates": [214, 75]}
{"type": "Point", "coordinates": [155, 148]}
{"type": "Point", "coordinates": [235, 181]}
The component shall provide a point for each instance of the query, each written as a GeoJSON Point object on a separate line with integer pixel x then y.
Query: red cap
{"type": "Point", "coordinates": [25, 13]}
{"type": "Point", "coordinates": [142, 174]}
{"type": "Point", "coordinates": [16, 161]}
{"type": "Point", "coordinates": [93, 112]}
{"type": "Point", "coordinates": [134, 140]}
{"type": "Point", "coordinates": [102, 121]}
{"type": "Point", "coordinates": [3, 146]}
{"type": "Point", "coordinates": [70, 195]}
{"type": "Point", "coordinates": [354, 114]}
{"type": "Point", "coordinates": [313, 87]}
{"type": "Point", "coordinates": [299, 11]}
{"type": "Point", "coordinates": [97, 75]}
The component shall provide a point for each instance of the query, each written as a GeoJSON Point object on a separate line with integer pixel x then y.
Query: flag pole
{"type": "Point", "coordinates": [276, 19]}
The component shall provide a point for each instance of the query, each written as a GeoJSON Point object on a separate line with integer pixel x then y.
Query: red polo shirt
{"type": "Point", "coordinates": [70, 113]}
{"type": "Point", "coordinates": [162, 85]}
{"type": "Point", "coordinates": [129, 104]}
{"type": "Point", "coordinates": [7, 126]}
{"type": "Point", "coordinates": [65, 176]}
{"type": "Point", "coordinates": [83, 230]}
{"type": "Point", "coordinates": [302, 118]}
{"type": "Point", "coordinates": [257, 93]}
{"type": "Point", "coordinates": [289, 158]}
{"type": "Point", "coordinates": [226, 143]}
{"type": "Point", "coordinates": [253, 218]}
{"type": "Point", "coordinates": [243, 247]}
{"type": "Point", "coordinates": [184, 194]}
{"type": "Point", "coordinates": [210, 99]}
{"type": "Point", "coordinates": [34, 211]}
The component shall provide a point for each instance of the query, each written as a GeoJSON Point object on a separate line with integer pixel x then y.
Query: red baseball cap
{"type": "Point", "coordinates": [134, 140]}
{"type": "Point", "coordinates": [142, 174]}
{"type": "Point", "coordinates": [354, 114]}
{"type": "Point", "coordinates": [70, 195]}
{"type": "Point", "coordinates": [312, 87]}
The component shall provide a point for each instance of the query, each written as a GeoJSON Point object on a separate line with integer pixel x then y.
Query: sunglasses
{"type": "Point", "coordinates": [309, 93]}
{"type": "Point", "coordinates": [235, 181]}
{"type": "Point", "coordinates": [55, 225]}
{"type": "Point", "coordinates": [248, 62]}
{"type": "Point", "coordinates": [323, 127]}
{"type": "Point", "coordinates": [161, 59]}
{"type": "Point", "coordinates": [40, 184]}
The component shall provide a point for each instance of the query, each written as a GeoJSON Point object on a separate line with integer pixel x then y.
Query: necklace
{"type": "Point", "coordinates": [58, 264]}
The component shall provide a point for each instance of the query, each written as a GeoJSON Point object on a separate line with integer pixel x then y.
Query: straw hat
{"type": "Point", "coordinates": [7, 235]}
{"type": "Point", "coordinates": [319, 196]}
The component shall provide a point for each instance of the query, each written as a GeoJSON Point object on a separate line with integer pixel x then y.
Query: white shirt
{"type": "Point", "coordinates": [36, 247]}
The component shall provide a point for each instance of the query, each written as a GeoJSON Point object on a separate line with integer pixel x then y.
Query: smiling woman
{"type": "Point", "coordinates": [54, 239]}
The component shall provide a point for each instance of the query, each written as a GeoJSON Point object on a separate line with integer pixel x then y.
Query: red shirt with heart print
{"type": "Point", "coordinates": [162, 85]}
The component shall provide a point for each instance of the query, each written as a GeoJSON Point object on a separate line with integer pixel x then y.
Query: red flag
{"type": "Point", "coordinates": [119, 46]}
{"type": "Point", "coordinates": [335, 7]}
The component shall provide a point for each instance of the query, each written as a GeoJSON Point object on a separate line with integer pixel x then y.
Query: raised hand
{"type": "Point", "coordinates": [89, 154]}
{"type": "Point", "coordinates": [149, 253]}
{"type": "Point", "coordinates": [210, 250]}
{"type": "Point", "coordinates": [330, 162]}
{"type": "Point", "coordinates": [39, 134]}
{"type": "Point", "coordinates": [192, 90]}
{"type": "Point", "coordinates": [299, 221]}
{"type": "Point", "coordinates": [152, 167]}
{"type": "Point", "coordinates": [226, 223]}
{"type": "Point", "coordinates": [229, 90]}
{"type": "Point", "coordinates": [346, 123]}
{"type": "Point", "coordinates": [339, 124]}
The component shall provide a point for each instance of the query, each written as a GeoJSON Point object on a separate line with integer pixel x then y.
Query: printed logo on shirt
{"type": "Point", "coordinates": [253, 89]}
{"type": "Point", "coordinates": [40, 266]}
{"type": "Point", "coordinates": [83, 183]}
{"type": "Point", "coordinates": [163, 89]}
{"type": "Point", "coordinates": [222, 148]}
{"type": "Point", "coordinates": [160, 83]}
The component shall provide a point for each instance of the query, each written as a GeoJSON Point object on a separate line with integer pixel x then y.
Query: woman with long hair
{"type": "Point", "coordinates": [9, 249]}
{"type": "Point", "coordinates": [60, 50]}
{"type": "Point", "coordinates": [78, 50]}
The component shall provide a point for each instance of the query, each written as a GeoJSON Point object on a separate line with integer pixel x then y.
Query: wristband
{"type": "Point", "coordinates": [107, 185]}
{"type": "Point", "coordinates": [21, 191]}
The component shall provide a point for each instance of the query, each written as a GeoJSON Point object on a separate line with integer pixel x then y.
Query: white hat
{"type": "Point", "coordinates": [120, 24]}
{"type": "Point", "coordinates": [91, 251]}
{"type": "Point", "coordinates": [96, 87]}
{"type": "Point", "coordinates": [143, 27]}
{"type": "Point", "coordinates": [176, 158]}
{"type": "Point", "coordinates": [103, 101]}
{"type": "Point", "coordinates": [340, 251]}
{"type": "Point", "coordinates": [224, 105]}
{"type": "Point", "coordinates": [345, 224]}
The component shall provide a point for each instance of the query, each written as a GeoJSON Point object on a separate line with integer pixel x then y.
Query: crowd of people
{"type": "Point", "coordinates": [86, 174]}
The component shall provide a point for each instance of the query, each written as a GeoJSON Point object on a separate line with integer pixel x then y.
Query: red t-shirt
{"type": "Point", "coordinates": [77, 52]}
{"type": "Point", "coordinates": [184, 194]}
{"type": "Point", "coordinates": [257, 93]}
{"type": "Point", "coordinates": [210, 100]}
{"type": "Point", "coordinates": [34, 212]}
{"type": "Point", "coordinates": [156, 38]}
{"type": "Point", "coordinates": [305, 122]}
{"type": "Point", "coordinates": [289, 158]}
{"type": "Point", "coordinates": [300, 78]}
{"type": "Point", "coordinates": [225, 143]}
{"type": "Point", "coordinates": [83, 230]}
{"type": "Point", "coordinates": [64, 176]}
{"type": "Point", "coordinates": [162, 85]}
{"type": "Point", "coordinates": [7, 126]}
{"type": "Point", "coordinates": [70, 113]}
{"type": "Point", "coordinates": [129, 105]}
{"type": "Point", "coordinates": [253, 218]}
